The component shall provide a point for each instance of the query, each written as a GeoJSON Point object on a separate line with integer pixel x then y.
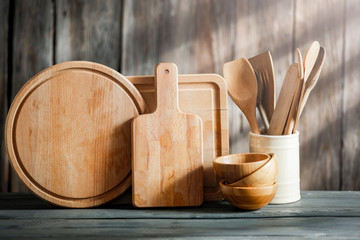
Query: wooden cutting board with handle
{"type": "Point", "coordinates": [167, 151]}
{"type": "Point", "coordinates": [68, 133]}
{"type": "Point", "coordinates": [204, 95]}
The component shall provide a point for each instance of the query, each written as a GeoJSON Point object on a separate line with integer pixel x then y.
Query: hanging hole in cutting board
{"type": "Point", "coordinates": [167, 71]}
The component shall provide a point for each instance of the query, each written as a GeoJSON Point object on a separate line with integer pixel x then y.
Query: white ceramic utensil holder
{"type": "Point", "coordinates": [286, 148]}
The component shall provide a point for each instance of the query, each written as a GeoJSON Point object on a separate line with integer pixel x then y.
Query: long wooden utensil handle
{"type": "Point", "coordinates": [290, 123]}
{"type": "Point", "coordinates": [278, 121]}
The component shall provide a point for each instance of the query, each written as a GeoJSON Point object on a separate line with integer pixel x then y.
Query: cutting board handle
{"type": "Point", "coordinates": [166, 85]}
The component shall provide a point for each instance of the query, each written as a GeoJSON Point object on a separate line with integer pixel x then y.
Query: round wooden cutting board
{"type": "Point", "coordinates": [68, 133]}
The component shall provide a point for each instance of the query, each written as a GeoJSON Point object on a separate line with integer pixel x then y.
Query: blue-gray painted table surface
{"type": "Point", "coordinates": [319, 214]}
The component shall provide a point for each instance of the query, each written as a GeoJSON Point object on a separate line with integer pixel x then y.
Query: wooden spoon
{"type": "Point", "coordinates": [263, 65]}
{"type": "Point", "coordinates": [313, 77]}
{"type": "Point", "coordinates": [282, 109]}
{"type": "Point", "coordinates": [310, 58]}
{"type": "Point", "coordinates": [242, 87]}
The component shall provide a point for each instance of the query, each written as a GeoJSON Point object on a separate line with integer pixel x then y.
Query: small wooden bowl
{"type": "Point", "coordinates": [237, 166]}
{"type": "Point", "coordinates": [248, 198]}
{"type": "Point", "coordinates": [264, 176]}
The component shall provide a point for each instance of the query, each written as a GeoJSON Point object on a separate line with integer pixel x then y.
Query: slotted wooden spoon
{"type": "Point", "coordinates": [263, 66]}
{"type": "Point", "coordinates": [259, 104]}
{"type": "Point", "coordinates": [242, 87]}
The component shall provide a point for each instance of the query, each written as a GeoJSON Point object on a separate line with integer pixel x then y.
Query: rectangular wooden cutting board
{"type": "Point", "coordinates": [206, 96]}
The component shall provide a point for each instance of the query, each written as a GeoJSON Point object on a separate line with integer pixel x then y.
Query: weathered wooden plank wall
{"type": "Point", "coordinates": [89, 31]}
{"type": "Point", "coordinates": [4, 23]}
{"type": "Point", "coordinates": [351, 102]}
{"type": "Point", "coordinates": [261, 26]}
{"type": "Point", "coordinates": [32, 49]}
{"type": "Point", "coordinates": [320, 124]}
{"type": "Point", "coordinates": [132, 36]}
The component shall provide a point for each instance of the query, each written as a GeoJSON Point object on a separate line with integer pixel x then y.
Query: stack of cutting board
{"type": "Point", "coordinates": [69, 137]}
{"type": "Point", "coordinates": [206, 96]}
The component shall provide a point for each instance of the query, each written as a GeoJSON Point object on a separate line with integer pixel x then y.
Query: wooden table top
{"type": "Point", "coordinates": [319, 214]}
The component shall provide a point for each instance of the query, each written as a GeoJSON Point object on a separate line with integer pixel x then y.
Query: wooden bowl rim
{"type": "Point", "coordinates": [223, 184]}
{"type": "Point", "coordinates": [219, 160]}
{"type": "Point", "coordinates": [272, 158]}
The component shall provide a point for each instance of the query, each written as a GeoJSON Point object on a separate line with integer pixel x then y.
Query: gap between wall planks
{"type": "Point", "coordinates": [4, 163]}
{"type": "Point", "coordinates": [199, 36]}
{"type": "Point", "coordinates": [88, 30]}
{"type": "Point", "coordinates": [32, 50]}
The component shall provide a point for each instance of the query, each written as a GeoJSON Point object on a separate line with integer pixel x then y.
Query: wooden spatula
{"type": "Point", "coordinates": [242, 87]}
{"type": "Point", "coordinates": [167, 150]}
{"type": "Point", "coordinates": [290, 122]}
{"type": "Point", "coordinates": [294, 113]}
{"type": "Point", "coordinates": [263, 66]}
{"type": "Point", "coordinates": [282, 109]}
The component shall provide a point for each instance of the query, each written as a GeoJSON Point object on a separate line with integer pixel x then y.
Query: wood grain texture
{"type": "Point", "coordinates": [283, 106]}
{"type": "Point", "coordinates": [310, 59]}
{"type": "Point", "coordinates": [313, 77]}
{"type": "Point", "coordinates": [140, 36]}
{"type": "Point", "coordinates": [88, 31]}
{"type": "Point", "coordinates": [295, 105]}
{"type": "Point", "coordinates": [68, 133]}
{"type": "Point", "coordinates": [346, 228]}
{"type": "Point", "coordinates": [4, 26]}
{"type": "Point", "coordinates": [32, 49]}
{"type": "Point", "coordinates": [320, 122]}
{"type": "Point", "coordinates": [351, 110]}
{"type": "Point", "coordinates": [264, 176]}
{"type": "Point", "coordinates": [196, 35]}
{"type": "Point", "coordinates": [151, 35]}
{"type": "Point", "coordinates": [249, 198]}
{"type": "Point", "coordinates": [312, 204]}
{"type": "Point", "coordinates": [204, 95]}
{"type": "Point", "coordinates": [301, 74]}
{"type": "Point", "coordinates": [167, 149]}
{"type": "Point", "coordinates": [163, 31]}
{"type": "Point", "coordinates": [263, 66]}
{"type": "Point", "coordinates": [243, 89]}
{"type": "Point", "coordinates": [261, 26]}
{"type": "Point", "coordinates": [234, 167]}
{"type": "Point", "coordinates": [315, 215]}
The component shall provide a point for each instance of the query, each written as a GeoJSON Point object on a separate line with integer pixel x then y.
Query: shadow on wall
{"type": "Point", "coordinates": [199, 36]}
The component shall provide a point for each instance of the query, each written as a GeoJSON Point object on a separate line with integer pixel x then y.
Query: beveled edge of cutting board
{"type": "Point", "coordinates": [221, 84]}
{"type": "Point", "coordinates": [189, 78]}
{"type": "Point", "coordinates": [21, 96]}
